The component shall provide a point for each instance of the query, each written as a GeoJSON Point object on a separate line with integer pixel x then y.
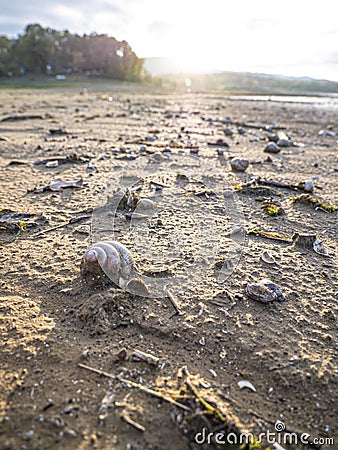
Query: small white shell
{"type": "Point", "coordinates": [320, 248]}
{"type": "Point", "coordinates": [246, 384]}
{"type": "Point", "coordinates": [267, 258]}
{"type": "Point", "coordinates": [52, 163]}
{"type": "Point", "coordinates": [85, 229]}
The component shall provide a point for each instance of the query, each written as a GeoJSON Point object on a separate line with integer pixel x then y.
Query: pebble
{"type": "Point", "coordinates": [239, 164]}
{"type": "Point", "coordinates": [272, 147]}
{"type": "Point", "coordinates": [308, 186]}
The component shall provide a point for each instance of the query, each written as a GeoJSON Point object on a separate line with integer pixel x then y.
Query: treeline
{"type": "Point", "coordinates": [46, 51]}
{"type": "Point", "coordinates": [236, 82]}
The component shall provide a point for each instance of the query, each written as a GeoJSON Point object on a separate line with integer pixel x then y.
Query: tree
{"type": "Point", "coordinates": [7, 58]}
{"type": "Point", "coordinates": [37, 48]}
{"type": "Point", "coordinates": [41, 50]}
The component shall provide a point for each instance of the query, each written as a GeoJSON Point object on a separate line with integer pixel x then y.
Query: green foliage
{"type": "Point", "coordinates": [241, 83]}
{"type": "Point", "coordinates": [44, 50]}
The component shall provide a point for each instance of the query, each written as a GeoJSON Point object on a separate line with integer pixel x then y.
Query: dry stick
{"type": "Point", "coordinates": [139, 386]}
{"type": "Point", "coordinates": [155, 393]}
{"type": "Point", "coordinates": [173, 301]}
{"type": "Point", "coordinates": [98, 371]}
{"type": "Point", "coordinates": [70, 222]}
{"type": "Point", "coordinates": [283, 366]}
{"type": "Point", "coordinates": [207, 406]}
{"type": "Point", "coordinates": [137, 426]}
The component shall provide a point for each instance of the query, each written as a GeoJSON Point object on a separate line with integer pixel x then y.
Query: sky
{"type": "Point", "coordinates": [289, 37]}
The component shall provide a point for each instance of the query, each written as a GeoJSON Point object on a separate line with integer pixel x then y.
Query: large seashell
{"type": "Point", "coordinates": [106, 257]}
{"type": "Point", "coordinates": [265, 291]}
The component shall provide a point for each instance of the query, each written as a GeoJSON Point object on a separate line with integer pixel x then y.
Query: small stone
{"type": "Point", "coordinates": [272, 147]}
{"type": "Point", "coordinates": [228, 132]}
{"type": "Point", "coordinates": [284, 140]}
{"type": "Point", "coordinates": [308, 186]}
{"type": "Point", "coordinates": [239, 164]}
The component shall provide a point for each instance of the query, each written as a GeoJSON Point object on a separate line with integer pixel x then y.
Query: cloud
{"type": "Point", "coordinates": [218, 34]}
{"type": "Point", "coordinates": [259, 23]}
{"type": "Point", "coordinates": [159, 28]}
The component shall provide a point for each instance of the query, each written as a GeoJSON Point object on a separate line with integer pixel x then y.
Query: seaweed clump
{"type": "Point", "coordinates": [273, 209]}
{"type": "Point", "coordinates": [307, 199]}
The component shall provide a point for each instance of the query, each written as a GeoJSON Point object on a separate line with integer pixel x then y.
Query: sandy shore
{"type": "Point", "coordinates": [51, 322]}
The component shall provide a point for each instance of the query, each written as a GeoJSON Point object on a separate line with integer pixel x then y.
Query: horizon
{"type": "Point", "coordinates": [297, 40]}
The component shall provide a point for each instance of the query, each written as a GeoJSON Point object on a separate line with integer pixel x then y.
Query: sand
{"type": "Point", "coordinates": [51, 321]}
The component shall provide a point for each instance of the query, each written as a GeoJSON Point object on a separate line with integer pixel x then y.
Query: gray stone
{"type": "Point", "coordinates": [239, 164]}
{"type": "Point", "coordinates": [272, 147]}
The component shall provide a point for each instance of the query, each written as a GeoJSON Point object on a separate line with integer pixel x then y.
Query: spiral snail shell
{"type": "Point", "coordinates": [108, 258]}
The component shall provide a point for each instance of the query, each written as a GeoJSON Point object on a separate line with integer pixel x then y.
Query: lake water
{"type": "Point", "coordinates": [330, 101]}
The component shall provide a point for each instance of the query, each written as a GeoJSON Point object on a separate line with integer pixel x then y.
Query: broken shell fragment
{"type": "Point", "coordinates": [265, 291]}
{"type": "Point", "coordinates": [246, 384]}
{"type": "Point", "coordinates": [267, 257]}
{"type": "Point", "coordinates": [52, 163]}
{"type": "Point", "coordinates": [320, 248]}
{"type": "Point", "coordinates": [105, 258]}
{"type": "Point", "coordinates": [239, 164]}
{"type": "Point", "coordinates": [145, 204]}
{"type": "Point", "coordinates": [84, 229]}
{"type": "Point", "coordinates": [137, 287]}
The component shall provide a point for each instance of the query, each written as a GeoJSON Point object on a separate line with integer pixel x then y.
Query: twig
{"type": "Point", "coordinates": [150, 359]}
{"type": "Point", "coordinates": [22, 117]}
{"type": "Point", "coordinates": [154, 393]}
{"type": "Point", "coordinates": [278, 184]}
{"type": "Point", "coordinates": [270, 235]}
{"type": "Point", "coordinates": [137, 385]}
{"type": "Point", "coordinates": [70, 222]}
{"type": "Point", "coordinates": [173, 301]}
{"type": "Point", "coordinates": [211, 409]}
{"type": "Point", "coordinates": [98, 371]}
{"type": "Point", "coordinates": [137, 426]}
{"type": "Point", "coordinates": [283, 366]}
{"type": "Point", "coordinates": [256, 127]}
